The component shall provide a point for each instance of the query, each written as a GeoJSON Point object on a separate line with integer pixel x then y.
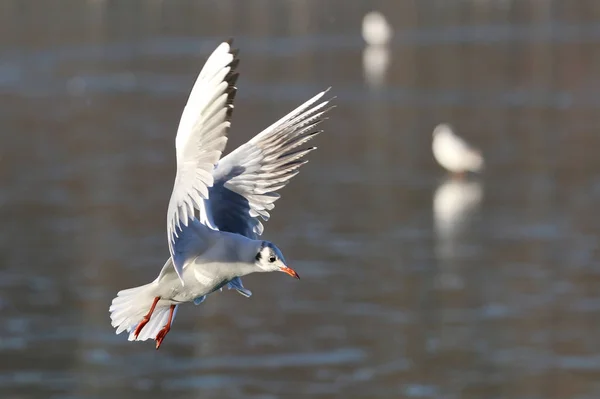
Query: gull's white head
{"type": "Point", "coordinates": [376, 31]}
{"type": "Point", "coordinates": [443, 129]}
{"type": "Point", "coordinates": [269, 258]}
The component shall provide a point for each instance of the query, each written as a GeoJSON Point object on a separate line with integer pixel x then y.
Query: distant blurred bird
{"type": "Point", "coordinates": [454, 153]}
{"type": "Point", "coordinates": [376, 55]}
{"type": "Point", "coordinates": [230, 194]}
{"type": "Point", "coordinates": [376, 31]}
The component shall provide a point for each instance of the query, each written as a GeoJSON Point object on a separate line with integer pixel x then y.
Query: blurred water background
{"type": "Point", "coordinates": [413, 285]}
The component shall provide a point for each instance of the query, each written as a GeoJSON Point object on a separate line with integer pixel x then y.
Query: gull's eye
{"type": "Point", "coordinates": [272, 259]}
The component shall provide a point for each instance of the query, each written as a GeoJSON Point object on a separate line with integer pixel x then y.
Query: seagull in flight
{"type": "Point", "coordinates": [213, 226]}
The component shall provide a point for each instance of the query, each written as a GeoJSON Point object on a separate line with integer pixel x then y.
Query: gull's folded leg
{"type": "Point", "coordinates": [146, 318]}
{"type": "Point", "coordinates": [199, 300]}
{"type": "Point", "coordinates": [237, 285]}
{"type": "Point", "coordinates": [165, 330]}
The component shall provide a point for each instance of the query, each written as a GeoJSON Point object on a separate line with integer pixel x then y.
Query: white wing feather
{"type": "Point", "coordinates": [248, 179]}
{"type": "Point", "coordinates": [201, 138]}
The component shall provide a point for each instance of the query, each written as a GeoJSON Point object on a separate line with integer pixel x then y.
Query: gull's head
{"type": "Point", "coordinates": [443, 129]}
{"type": "Point", "coordinates": [270, 259]}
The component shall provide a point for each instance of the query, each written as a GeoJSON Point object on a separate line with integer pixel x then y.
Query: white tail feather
{"type": "Point", "coordinates": [131, 305]}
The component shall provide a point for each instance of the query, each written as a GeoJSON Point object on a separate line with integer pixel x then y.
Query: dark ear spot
{"type": "Point", "coordinates": [258, 255]}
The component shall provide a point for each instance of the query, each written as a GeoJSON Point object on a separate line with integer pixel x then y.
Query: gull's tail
{"type": "Point", "coordinates": [131, 305]}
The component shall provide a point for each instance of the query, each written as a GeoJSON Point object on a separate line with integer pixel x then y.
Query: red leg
{"type": "Point", "coordinates": [460, 175]}
{"type": "Point", "coordinates": [163, 333]}
{"type": "Point", "coordinates": [146, 318]}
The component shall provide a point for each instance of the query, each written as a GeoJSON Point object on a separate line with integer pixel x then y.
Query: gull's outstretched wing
{"type": "Point", "coordinates": [247, 180]}
{"type": "Point", "coordinates": [201, 138]}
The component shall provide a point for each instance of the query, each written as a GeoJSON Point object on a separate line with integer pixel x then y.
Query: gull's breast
{"type": "Point", "coordinates": [204, 277]}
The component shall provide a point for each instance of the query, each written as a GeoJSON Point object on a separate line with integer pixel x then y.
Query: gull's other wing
{"type": "Point", "coordinates": [246, 181]}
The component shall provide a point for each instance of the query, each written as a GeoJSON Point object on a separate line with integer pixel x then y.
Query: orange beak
{"type": "Point", "coordinates": [290, 271]}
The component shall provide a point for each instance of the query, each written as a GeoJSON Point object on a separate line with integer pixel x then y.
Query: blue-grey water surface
{"type": "Point", "coordinates": [413, 285]}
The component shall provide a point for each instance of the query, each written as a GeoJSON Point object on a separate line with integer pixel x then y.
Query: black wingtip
{"type": "Point", "coordinates": [229, 112]}
{"type": "Point", "coordinates": [231, 79]}
{"type": "Point", "coordinates": [233, 51]}
{"type": "Point", "coordinates": [231, 92]}
{"type": "Point", "coordinates": [234, 64]}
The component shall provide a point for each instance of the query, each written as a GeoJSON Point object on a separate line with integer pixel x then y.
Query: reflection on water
{"type": "Point", "coordinates": [91, 94]}
{"type": "Point", "coordinates": [455, 203]}
{"type": "Point", "coordinates": [376, 60]}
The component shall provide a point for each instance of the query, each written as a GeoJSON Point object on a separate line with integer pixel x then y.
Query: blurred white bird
{"type": "Point", "coordinates": [376, 31]}
{"type": "Point", "coordinates": [454, 153]}
{"type": "Point", "coordinates": [376, 55]}
{"type": "Point", "coordinates": [230, 194]}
